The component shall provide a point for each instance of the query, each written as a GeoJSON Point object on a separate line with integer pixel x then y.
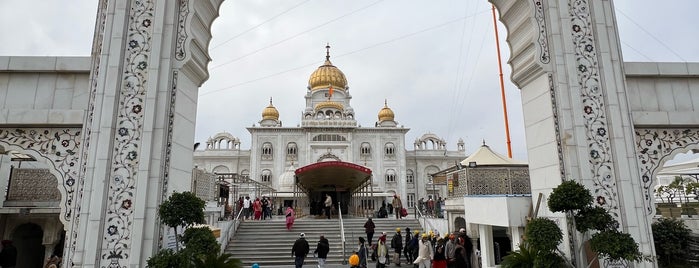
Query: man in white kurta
{"type": "Point", "coordinates": [425, 253]}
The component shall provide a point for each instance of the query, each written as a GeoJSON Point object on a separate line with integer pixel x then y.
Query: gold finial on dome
{"type": "Point", "coordinates": [327, 74]}
{"type": "Point", "coordinates": [270, 112]}
{"type": "Point", "coordinates": [386, 114]}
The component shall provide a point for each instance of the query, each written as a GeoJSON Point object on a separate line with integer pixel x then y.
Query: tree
{"type": "Point", "coordinates": [671, 237]}
{"type": "Point", "coordinates": [182, 209]}
{"type": "Point", "coordinates": [574, 199]}
{"type": "Point", "coordinates": [543, 235]}
{"type": "Point", "coordinates": [200, 246]}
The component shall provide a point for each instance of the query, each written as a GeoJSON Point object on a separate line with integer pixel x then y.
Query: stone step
{"type": "Point", "coordinates": [268, 243]}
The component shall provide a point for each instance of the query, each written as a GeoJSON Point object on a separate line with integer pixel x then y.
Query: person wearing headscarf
{"type": "Point", "coordinates": [425, 253]}
{"type": "Point", "coordinates": [397, 246]}
{"type": "Point", "coordinates": [382, 251]}
{"type": "Point", "coordinates": [290, 216]}
{"type": "Point", "coordinates": [257, 208]}
{"type": "Point", "coordinates": [440, 260]}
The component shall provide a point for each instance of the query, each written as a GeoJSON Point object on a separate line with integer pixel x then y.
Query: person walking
{"type": "Point", "coordinates": [449, 251]}
{"type": "Point", "coordinates": [460, 259]}
{"type": "Point", "coordinates": [413, 247]}
{"type": "Point", "coordinates": [265, 208]}
{"type": "Point", "coordinates": [257, 208]}
{"type": "Point", "coordinates": [290, 216]}
{"type": "Point", "coordinates": [397, 245]}
{"type": "Point", "coordinates": [406, 248]}
{"type": "Point", "coordinates": [246, 207]}
{"type": "Point", "coordinates": [369, 227]}
{"type": "Point", "coordinates": [425, 253]}
{"type": "Point", "coordinates": [381, 252]}
{"type": "Point", "coordinates": [322, 250]}
{"type": "Point", "coordinates": [328, 204]}
{"type": "Point", "coordinates": [397, 206]}
{"type": "Point", "coordinates": [300, 250]}
{"type": "Point", "coordinates": [440, 259]}
{"type": "Point", "coordinates": [363, 253]}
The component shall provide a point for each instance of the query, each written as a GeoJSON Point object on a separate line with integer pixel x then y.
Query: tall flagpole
{"type": "Point", "coordinates": [502, 85]}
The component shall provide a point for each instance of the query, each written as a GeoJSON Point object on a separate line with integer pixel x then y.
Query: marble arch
{"type": "Point", "coordinates": [584, 117]}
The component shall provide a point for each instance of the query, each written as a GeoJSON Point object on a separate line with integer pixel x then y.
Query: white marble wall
{"type": "Point", "coordinates": [43, 90]}
{"type": "Point", "coordinates": [663, 94]}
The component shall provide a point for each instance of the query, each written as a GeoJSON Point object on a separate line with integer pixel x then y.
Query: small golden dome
{"type": "Point", "coordinates": [326, 75]}
{"type": "Point", "coordinates": [386, 114]}
{"type": "Point", "coordinates": [329, 104]}
{"type": "Point", "coordinates": [270, 112]}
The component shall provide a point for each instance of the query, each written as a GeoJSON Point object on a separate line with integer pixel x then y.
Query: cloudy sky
{"type": "Point", "coordinates": [433, 61]}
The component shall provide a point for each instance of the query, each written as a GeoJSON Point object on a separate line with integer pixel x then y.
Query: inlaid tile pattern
{"type": "Point", "coordinates": [59, 147]}
{"type": "Point", "coordinates": [542, 38]}
{"type": "Point", "coordinates": [130, 113]}
{"type": "Point", "coordinates": [180, 51]}
{"type": "Point", "coordinates": [653, 147]}
{"type": "Point", "coordinates": [594, 109]}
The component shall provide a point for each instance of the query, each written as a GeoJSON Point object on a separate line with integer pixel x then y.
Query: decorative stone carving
{"type": "Point", "coordinates": [59, 147]}
{"type": "Point", "coordinates": [653, 146]}
{"type": "Point", "coordinates": [32, 184]}
{"type": "Point", "coordinates": [594, 109]}
{"type": "Point", "coordinates": [183, 12]}
{"type": "Point", "coordinates": [127, 141]}
{"type": "Point", "coordinates": [542, 39]}
{"type": "Point", "coordinates": [557, 127]}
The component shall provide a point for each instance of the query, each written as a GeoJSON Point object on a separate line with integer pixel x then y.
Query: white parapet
{"type": "Point", "coordinates": [497, 210]}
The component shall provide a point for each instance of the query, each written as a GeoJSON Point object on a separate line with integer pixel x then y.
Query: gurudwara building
{"type": "Point", "coordinates": [330, 153]}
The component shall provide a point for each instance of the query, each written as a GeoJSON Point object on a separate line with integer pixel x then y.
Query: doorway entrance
{"type": "Point", "coordinates": [27, 239]}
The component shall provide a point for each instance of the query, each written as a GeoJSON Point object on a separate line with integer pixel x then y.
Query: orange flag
{"type": "Point", "coordinates": [330, 91]}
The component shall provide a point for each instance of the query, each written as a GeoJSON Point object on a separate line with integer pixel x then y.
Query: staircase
{"type": "Point", "coordinates": [268, 243]}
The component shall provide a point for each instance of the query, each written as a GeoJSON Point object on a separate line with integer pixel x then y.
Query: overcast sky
{"type": "Point", "coordinates": [433, 61]}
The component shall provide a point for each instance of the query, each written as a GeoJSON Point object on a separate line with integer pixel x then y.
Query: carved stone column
{"type": "Point", "coordinates": [149, 59]}
{"type": "Point", "coordinates": [566, 59]}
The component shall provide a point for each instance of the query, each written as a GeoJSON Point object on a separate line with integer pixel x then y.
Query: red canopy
{"type": "Point", "coordinates": [332, 175]}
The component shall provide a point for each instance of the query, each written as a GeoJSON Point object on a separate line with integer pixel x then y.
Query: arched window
{"type": "Point", "coordinates": [390, 149]}
{"type": "Point", "coordinates": [245, 174]}
{"type": "Point", "coordinates": [390, 175]}
{"type": "Point", "coordinates": [266, 176]}
{"type": "Point", "coordinates": [365, 149]}
{"type": "Point", "coordinates": [267, 150]}
{"type": "Point", "coordinates": [291, 149]}
{"type": "Point", "coordinates": [409, 176]}
{"type": "Point", "coordinates": [428, 173]}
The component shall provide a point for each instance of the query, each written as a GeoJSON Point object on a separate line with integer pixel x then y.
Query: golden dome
{"type": "Point", "coordinates": [386, 114]}
{"type": "Point", "coordinates": [270, 112]}
{"type": "Point", "coordinates": [326, 75]}
{"type": "Point", "coordinates": [329, 104]}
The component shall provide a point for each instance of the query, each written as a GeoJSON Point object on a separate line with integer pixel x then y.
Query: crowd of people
{"type": "Point", "coordinates": [258, 209]}
{"type": "Point", "coordinates": [426, 250]}
{"type": "Point", "coordinates": [431, 208]}
{"type": "Point", "coordinates": [422, 250]}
